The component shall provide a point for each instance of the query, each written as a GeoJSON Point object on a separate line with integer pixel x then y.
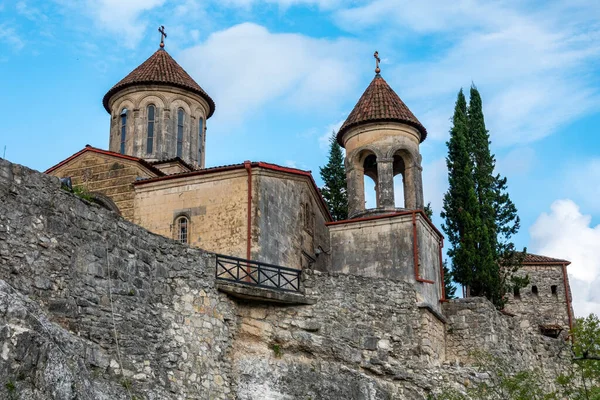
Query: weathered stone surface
{"type": "Point", "coordinates": [79, 278]}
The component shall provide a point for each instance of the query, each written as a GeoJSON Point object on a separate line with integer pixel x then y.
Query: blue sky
{"type": "Point", "coordinates": [284, 73]}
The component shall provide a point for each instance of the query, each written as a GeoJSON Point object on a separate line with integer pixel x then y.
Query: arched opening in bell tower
{"type": "Point", "coordinates": [402, 179]}
{"type": "Point", "coordinates": [398, 171]}
{"type": "Point", "coordinates": [371, 180]}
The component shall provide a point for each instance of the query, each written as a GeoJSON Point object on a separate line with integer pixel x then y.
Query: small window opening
{"type": "Point", "coordinates": [517, 293]}
{"type": "Point", "coordinates": [150, 141]}
{"type": "Point", "coordinates": [553, 288]}
{"type": "Point", "coordinates": [534, 290]}
{"type": "Point", "coordinates": [123, 130]}
{"type": "Point", "coordinates": [182, 229]}
{"type": "Point", "coordinates": [180, 118]}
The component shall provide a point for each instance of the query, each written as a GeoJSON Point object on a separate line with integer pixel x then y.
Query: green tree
{"type": "Point", "coordinates": [460, 208]}
{"type": "Point", "coordinates": [479, 214]}
{"type": "Point", "coordinates": [334, 178]}
{"type": "Point", "coordinates": [449, 288]}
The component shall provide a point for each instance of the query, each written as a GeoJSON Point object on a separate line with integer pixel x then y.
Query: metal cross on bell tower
{"type": "Point", "coordinates": [163, 35]}
{"type": "Point", "coordinates": [377, 61]}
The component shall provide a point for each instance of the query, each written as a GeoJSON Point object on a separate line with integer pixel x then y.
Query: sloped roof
{"type": "Point", "coordinates": [379, 103]}
{"type": "Point", "coordinates": [537, 259]}
{"type": "Point", "coordinates": [160, 68]}
{"type": "Point", "coordinates": [89, 148]}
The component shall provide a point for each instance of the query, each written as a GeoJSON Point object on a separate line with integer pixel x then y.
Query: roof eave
{"type": "Point", "coordinates": [117, 88]}
{"type": "Point", "coordinates": [346, 128]}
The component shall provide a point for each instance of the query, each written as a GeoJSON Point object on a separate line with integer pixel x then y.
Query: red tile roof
{"type": "Point", "coordinates": [379, 103]}
{"type": "Point", "coordinates": [537, 259]}
{"type": "Point", "coordinates": [87, 148]}
{"type": "Point", "coordinates": [160, 68]}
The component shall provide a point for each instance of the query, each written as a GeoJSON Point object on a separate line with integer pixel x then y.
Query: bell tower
{"type": "Point", "coordinates": [381, 137]}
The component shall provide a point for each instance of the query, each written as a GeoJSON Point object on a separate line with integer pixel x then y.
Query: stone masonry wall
{"type": "Point", "coordinates": [101, 278]}
{"type": "Point", "coordinates": [75, 278]}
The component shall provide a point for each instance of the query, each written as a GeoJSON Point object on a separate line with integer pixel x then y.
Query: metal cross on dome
{"type": "Point", "coordinates": [163, 35]}
{"type": "Point", "coordinates": [377, 61]}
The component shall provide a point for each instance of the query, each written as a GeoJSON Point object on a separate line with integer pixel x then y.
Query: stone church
{"type": "Point", "coordinates": [269, 223]}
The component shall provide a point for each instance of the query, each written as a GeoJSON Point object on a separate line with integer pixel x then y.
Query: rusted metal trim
{"type": "Point", "coordinates": [416, 251]}
{"type": "Point", "coordinates": [87, 148]}
{"type": "Point", "coordinates": [248, 166]}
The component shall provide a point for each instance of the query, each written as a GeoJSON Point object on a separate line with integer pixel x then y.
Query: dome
{"type": "Point", "coordinates": [160, 69]}
{"type": "Point", "coordinates": [379, 103]}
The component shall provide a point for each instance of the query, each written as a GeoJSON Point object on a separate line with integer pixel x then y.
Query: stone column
{"type": "Point", "coordinates": [413, 187]}
{"type": "Point", "coordinates": [356, 190]}
{"type": "Point", "coordinates": [385, 186]}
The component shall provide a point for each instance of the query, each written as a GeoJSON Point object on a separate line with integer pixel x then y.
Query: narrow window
{"type": "Point", "coordinates": [180, 117]}
{"type": "Point", "coordinates": [517, 293]}
{"type": "Point", "coordinates": [553, 288]}
{"type": "Point", "coordinates": [534, 290]}
{"type": "Point", "coordinates": [182, 229]}
{"type": "Point", "coordinates": [200, 137]}
{"type": "Point", "coordinates": [123, 129]}
{"type": "Point", "coordinates": [150, 140]}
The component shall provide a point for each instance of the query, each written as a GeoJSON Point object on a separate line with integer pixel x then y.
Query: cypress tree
{"type": "Point", "coordinates": [480, 217]}
{"type": "Point", "coordinates": [334, 178]}
{"type": "Point", "coordinates": [499, 220]}
{"type": "Point", "coordinates": [460, 208]}
{"type": "Point", "coordinates": [449, 288]}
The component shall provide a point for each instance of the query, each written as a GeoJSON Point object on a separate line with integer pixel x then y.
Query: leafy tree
{"type": "Point", "coordinates": [480, 216]}
{"type": "Point", "coordinates": [334, 177]}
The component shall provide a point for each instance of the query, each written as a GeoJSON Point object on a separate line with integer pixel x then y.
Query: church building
{"type": "Point", "coordinates": [257, 213]}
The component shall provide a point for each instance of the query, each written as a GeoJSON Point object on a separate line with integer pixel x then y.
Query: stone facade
{"type": "Point", "coordinates": [388, 247]}
{"type": "Point", "coordinates": [544, 302]}
{"type": "Point", "coordinates": [167, 102]}
{"type": "Point", "coordinates": [287, 218]}
{"type": "Point", "coordinates": [107, 175]}
{"type": "Point", "coordinates": [94, 307]}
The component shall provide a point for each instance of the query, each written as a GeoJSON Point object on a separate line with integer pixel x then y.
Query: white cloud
{"type": "Point", "coordinates": [29, 12]}
{"type": "Point", "coordinates": [326, 136]}
{"type": "Point", "coordinates": [530, 64]}
{"type": "Point", "coordinates": [583, 181]}
{"type": "Point", "coordinates": [246, 66]}
{"type": "Point", "coordinates": [284, 4]}
{"type": "Point", "coordinates": [117, 17]}
{"type": "Point", "coordinates": [10, 36]}
{"type": "Point", "coordinates": [567, 233]}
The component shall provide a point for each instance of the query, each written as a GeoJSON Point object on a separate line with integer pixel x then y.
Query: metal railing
{"type": "Point", "coordinates": [257, 274]}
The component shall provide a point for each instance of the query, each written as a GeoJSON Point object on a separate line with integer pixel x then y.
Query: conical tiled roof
{"type": "Point", "coordinates": [160, 68]}
{"type": "Point", "coordinates": [379, 103]}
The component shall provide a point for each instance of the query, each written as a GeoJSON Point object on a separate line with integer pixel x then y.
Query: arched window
{"type": "Point", "coordinates": [200, 138]}
{"type": "Point", "coordinates": [150, 112]}
{"type": "Point", "coordinates": [181, 229]}
{"type": "Point", "coordinates": [370, 185]}
{"type": "Point", "coordinates": [534, 290]}
{"type": "Point", "coordinates": [123, 129]}
{"type": "Point", "coordinates": [180, 120]}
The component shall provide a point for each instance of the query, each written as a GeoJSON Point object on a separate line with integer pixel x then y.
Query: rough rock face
{"type": "Point", "coordinates": [93, 307]}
